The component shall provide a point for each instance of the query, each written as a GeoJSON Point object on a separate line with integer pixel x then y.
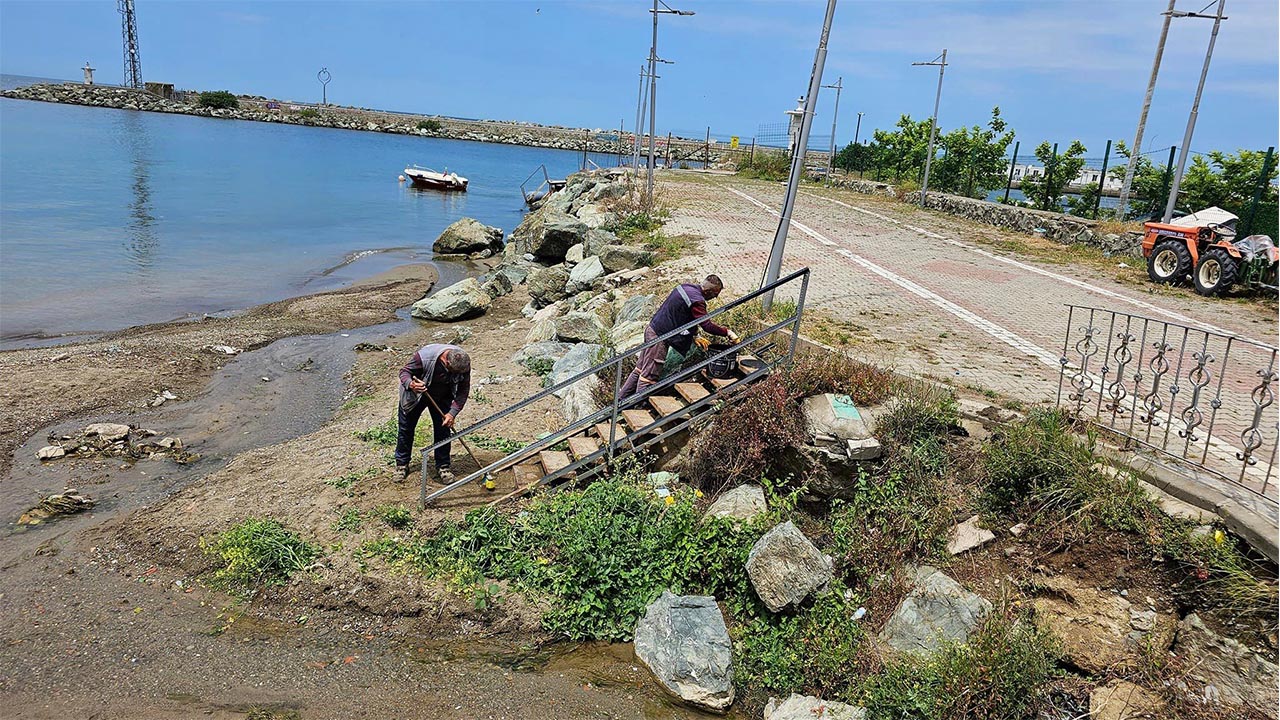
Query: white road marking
{"type": "Point", "coordinates": [999, 332]}
{"type": "Point", "coordinates": [1184, 319]}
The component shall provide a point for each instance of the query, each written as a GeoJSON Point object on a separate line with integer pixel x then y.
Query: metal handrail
{"type": "Point", "coordinates": [616, 406]}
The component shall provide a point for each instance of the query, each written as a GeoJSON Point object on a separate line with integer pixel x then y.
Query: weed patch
{"type": "Point", "coordinates": [813, 373]}
{"type": "Point", "coordinates": [255, 553]}
{"type": "Point", "coordinates": [349, 521]}
{"type": "Point", "coordinates": [397, 516]}
{"type": "Point", "coordinates": [384, 434]}
{"type": "Point", "coordinates": [749, 438]}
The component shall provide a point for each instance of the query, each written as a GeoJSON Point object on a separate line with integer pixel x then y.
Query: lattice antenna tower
{"type": "Point", "coordinates": [129, 28]}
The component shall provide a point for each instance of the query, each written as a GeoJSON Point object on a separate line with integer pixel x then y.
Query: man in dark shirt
{"type": "Point", "coordinates": [686, 303]}
{"type": "Point", "coordinates": [437, 378]}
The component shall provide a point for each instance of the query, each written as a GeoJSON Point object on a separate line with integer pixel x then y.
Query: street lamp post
{"type": "Point", "coordinates": [857, 129]}
{"type": "Point", "coordinates": [635, 160]}
{"type": "Point", "coordinates": [653, 86]}
{"type": "Point", "coordinates": [324, 77]}
{"type": "Point", "coordinates": [831, 157]}
{"type": "Point", "coordinates": [1136, 150]}
{"type": "Point", "coordinates": [941, 62]}
{"type": "Point", "coordinates": [1218, 17]}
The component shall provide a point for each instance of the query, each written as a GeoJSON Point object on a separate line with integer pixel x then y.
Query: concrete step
{"type": "Point", "coordinates": [692, 392]}
{"type": "Point", "coordinates": [581, 446]}
{"type": "Point", "coordinates": [553, 460]}
{"type": "Point", "coordinates": [637, 419]}
{"type": "Point", "coordinates": [666, 405]}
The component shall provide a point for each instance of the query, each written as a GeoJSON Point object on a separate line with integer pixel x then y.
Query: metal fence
{"type": "Point", "coordinates": [1200, 396]}
{"type": "Point", "coordinates": [620, 442]}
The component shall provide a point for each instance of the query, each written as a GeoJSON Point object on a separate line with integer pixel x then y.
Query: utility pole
{"type": "Point", "coordinates": [132, 61]}
{"type": "Point", "coordinates": [635, 161]}
{"type": "Point", "coordinates": [774, 268]}
{"type": "Point", "coordinates": [831, 158]}
{"type": "Point", "coordinates": [1136, 150]}
{"type": "Point", "coordinates": [857, 129]}
{"type": "Point", "coordinates": [653, 86]}
{"type": "Point", "coordinates": [1195, 106]}
{"type": "Point", "coordinates": [941, 62]}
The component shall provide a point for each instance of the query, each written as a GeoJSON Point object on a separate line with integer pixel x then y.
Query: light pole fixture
{"type": "Point", "coordinates": [324, 77]}
{"type": "Point", "coordinates": [831, 157]}
{"type": "Point", "coordinates": [1185, 150]}
{"type": "Point", "coordinates": [941, 62]}
{"type": "Point", "coordinates": [653, 85]}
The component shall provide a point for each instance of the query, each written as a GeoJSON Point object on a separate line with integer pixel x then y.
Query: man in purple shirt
{"type": "Point", "coordinates": [437, 378]}
{"type": "Point", "coordinates": [686, 303]}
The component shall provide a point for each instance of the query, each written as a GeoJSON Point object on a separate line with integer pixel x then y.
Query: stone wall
{"type": "Point", "coordinates": [1059, 227]}
{"type": "Point", "coordinates": [255, 109]}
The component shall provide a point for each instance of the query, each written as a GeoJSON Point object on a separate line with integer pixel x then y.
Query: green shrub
{"type": "Point", "coordinates": [397, 516]}
{"type": "Point", "coordinates": [1000, 673]}
{"type": "Point", "coordinates": [1024, 459]}
{"type": "Point", "coordinates": [767, 165]}
{"type": "Point", "coordinates": [218, 100]}
{"type": "Point", "coordinates": [430, 125]}
{"type": "Point", "coordinates": [894, 517]}
{"type": "Point", "coordinates": [814, 651]}
{"type": "Point", "coordinates": [257, 552]}
{"type": "Point", "coordinates": [755, 435]}
{"type": "Point", "coordinates": [540, 366]}
{"type": "Point", "coordinates": [309, 113]}
{"type": "Point", "coordinates": [597, 556]}
{"type": "Point", "coordinates": [813, 373]}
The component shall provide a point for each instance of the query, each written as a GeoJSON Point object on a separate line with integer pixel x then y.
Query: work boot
{"type": "Point", "coordinates": [402, 472]}
{"type": "Point", "coordinates": [444, 475]}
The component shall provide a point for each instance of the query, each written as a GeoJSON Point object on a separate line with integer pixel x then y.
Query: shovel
{"type": "Point", "coordinates": [489, 483]}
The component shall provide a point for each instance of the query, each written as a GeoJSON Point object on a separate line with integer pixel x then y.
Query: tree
{"type": "Point", "coordinates": [218, 99]}
{"type": "Point", "coordinates": [1082, 205]}
{"type": "Point", "coordinates": [1150, 185]}
{"type": "Point", "coordinates": [855, 157]}
{"type": "Point", "coordinates": [903, 149]}
{"type": "Point", "coordinates": [973, 160]}
{"type": "Point", "coordinates": [1045, 191]}
{"type": "Point", "coordinates": [1230, 181]}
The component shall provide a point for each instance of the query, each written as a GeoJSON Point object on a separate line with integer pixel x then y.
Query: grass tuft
{"type": "Point", "coordinates": [257, 553]}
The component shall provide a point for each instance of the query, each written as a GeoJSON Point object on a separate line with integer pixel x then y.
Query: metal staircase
{"type": "Point", "coordinates": [589, 446]}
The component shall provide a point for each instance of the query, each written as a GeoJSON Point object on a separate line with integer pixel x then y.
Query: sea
{"type": "Point", "coordinates": [114, 218]}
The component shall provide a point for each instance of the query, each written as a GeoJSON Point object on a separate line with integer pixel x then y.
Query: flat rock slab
{"type": "Point", "coordinates": [835, 416]}
{"type": "Point", "coordinates": [685, 644]}
{"type": "Point", "coordinates": [808, 707]}
{"type": "Point", "coordinates": [785, 567]}
{"type": "Point", "coordinates": [938, 610]}
{"type": "Point", "coordinates": [50, 452]}
{"type": "Point", "coordinates": [741, 503]}
{"type": "Point", "coordinates": [1232, 672]}
{"type": "Point", "coordinates": [967, 536]}
{"type": "Point", "coordinates": [1100, 630]}
{"type": "Point", "coordinates": [110, 432]}
{"type": "Point", "coordinates": [1121, 700]}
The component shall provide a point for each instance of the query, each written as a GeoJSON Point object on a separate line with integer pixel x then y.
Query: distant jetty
{"type": "Point", "coordinates": [261, 109]}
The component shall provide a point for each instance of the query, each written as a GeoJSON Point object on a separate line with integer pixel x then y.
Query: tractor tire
{"type": "Point", "coordinates": [1169, 262]}
{"type": "Point", "coordinates": [1216, 272]}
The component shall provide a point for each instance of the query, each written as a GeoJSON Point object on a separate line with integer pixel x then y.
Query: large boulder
{"type": "Point", "coordinates": [548, 233]}
{"type": "Point", "coordinates": [808, 707]}
{"type": "Point", "coordinates": [467, 236]}
{"type": "Point", "coordinates": [685, 644]}
{"type": "Point", "coordinates": [741, 503]}
{"type": "Point", "coordinates": [546, 285]}
{"type": "Point", "coordinates": [627, 335]}
{"type": "Point", "coordinates": [785, 567]}
{"type": "Point", "coordinates": [637, 307]}
{"type": "Point", "coordinates": [546, 351]}
{"type": "Point", "coordinates": [579, 399]}
{"type": "Point", "coordinates": [514, 272]}
{"type": "Point", "coordinates": [579, 327]}
{"type": "Point", "coordinates": [497, 285]}
{"type": "Point", "coordinates": [596, 240]}
{"type": "Point", "coordinates": [624, 257]}
{"type": "Point", "coordinates": [580, 357]}
{"type": "Point", "coordinates": [938, 610]}
{"type": "Point", "coordinates": [459, 301]}
{"type": "Point", "coordinates": [584, 273]}
{"type": "Point", "coordinates": [594, 216]}
{"type": "Point", "coordinates": [1232, 672]}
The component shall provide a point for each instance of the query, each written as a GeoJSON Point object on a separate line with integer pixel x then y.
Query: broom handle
{"type": "Point", "coordinates": [466, 447]}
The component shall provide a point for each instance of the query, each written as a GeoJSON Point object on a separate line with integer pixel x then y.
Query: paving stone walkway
{"type": "Point", "coordinates": [924, 296]}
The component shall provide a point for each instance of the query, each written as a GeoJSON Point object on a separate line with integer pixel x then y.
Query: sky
{"type": "Point", "coordinates": [1058, 69]}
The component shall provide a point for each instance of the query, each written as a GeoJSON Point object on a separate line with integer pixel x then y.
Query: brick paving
{"type": "Point", "coordinates": [931, 302]}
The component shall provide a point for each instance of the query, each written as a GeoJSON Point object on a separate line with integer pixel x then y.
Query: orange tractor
{"type": "Point", "coordinates": [1202, 246]}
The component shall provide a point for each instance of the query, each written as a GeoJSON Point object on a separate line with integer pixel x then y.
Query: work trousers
{"type": "Point", "coordinates": [411, 406]}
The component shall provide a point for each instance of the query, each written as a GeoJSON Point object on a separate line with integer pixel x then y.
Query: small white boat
{"type": "Point", "coordinates": [428, 178]}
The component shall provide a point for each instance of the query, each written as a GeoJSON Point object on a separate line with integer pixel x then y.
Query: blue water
{"type": "Point", "coordinates": [112, 218]}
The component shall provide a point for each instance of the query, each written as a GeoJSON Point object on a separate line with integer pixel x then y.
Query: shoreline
{"type": "Point", "coordinates": [124, 370]}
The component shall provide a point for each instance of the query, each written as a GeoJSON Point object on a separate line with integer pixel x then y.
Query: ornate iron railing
{"type": "Point", "coordinates": [1199, 396]}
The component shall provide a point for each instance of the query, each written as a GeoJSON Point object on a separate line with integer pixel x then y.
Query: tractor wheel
{"type": "Point", "coordinates": [1169, 262]}
{"type": "Point", "coordinates": [1216, 272]}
